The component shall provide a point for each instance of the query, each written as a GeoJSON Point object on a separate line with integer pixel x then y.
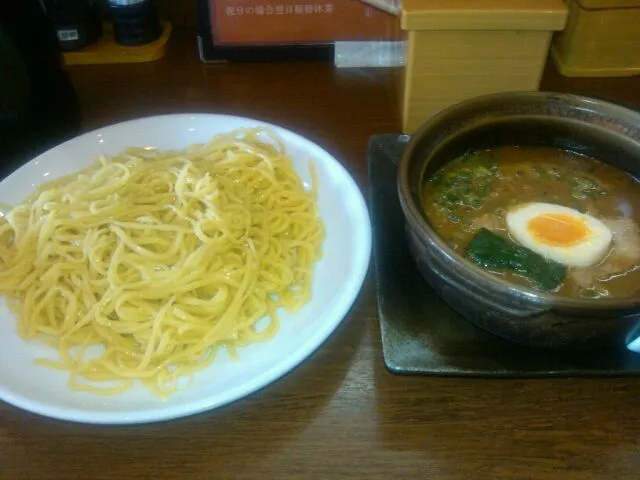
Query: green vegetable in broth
{"type": "Point", "coordinates": [466, 185]}
{"type": "Point", "coordinates": [582, 186]}
{"type": "Point", "coordinates": [585, 187]}
{"type": "Point", "coordinates": [494, 252]}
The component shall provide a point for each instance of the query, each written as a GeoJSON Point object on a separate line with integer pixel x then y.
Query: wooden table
{"type": "Point", "coordinates": [340, 414]}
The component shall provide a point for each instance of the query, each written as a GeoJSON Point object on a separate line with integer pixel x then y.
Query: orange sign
{"type": "Point", "coordinates": [280, 22]}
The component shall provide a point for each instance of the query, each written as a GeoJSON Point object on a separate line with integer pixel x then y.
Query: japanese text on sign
{"type": "Point", "coordinates": [303, 9]}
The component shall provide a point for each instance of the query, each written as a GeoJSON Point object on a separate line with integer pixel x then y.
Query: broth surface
{"type": "Point", "coordinates": [476, 190]}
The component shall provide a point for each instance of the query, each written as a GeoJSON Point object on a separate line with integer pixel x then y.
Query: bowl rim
{"type": "Point", "coordinates": [432, 239]}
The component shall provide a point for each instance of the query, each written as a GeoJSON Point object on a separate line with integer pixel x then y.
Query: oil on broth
{"type": "Point", "coordinates": [475, 192]}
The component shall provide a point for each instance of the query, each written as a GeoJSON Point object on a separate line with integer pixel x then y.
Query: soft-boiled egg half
{"type": "Point", "coordinates": [559, 233]}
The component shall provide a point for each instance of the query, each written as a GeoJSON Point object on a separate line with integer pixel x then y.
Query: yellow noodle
{"type": "Point", "coordinates": [159, 259]}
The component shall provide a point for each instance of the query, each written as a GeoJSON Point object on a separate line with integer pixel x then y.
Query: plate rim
{"type": "Point", "coordinates": [207, 403]}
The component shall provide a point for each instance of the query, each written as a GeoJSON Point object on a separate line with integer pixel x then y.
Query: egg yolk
{"type": "Point", "coordinates": [558, 229]}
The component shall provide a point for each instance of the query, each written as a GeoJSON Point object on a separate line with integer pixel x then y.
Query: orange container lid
{"type": "Point", "coordinates": [483, 15]}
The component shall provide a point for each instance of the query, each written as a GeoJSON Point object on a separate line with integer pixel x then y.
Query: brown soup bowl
{"type": "Point", "coordinates": [588, 126]}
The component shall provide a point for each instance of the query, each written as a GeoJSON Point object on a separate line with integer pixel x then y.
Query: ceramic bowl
{"type": "Point", "coordinates": [589, 126]}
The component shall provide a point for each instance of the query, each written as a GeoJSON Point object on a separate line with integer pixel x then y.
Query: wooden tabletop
{"type": "Point", "coordinates": [340, 414]}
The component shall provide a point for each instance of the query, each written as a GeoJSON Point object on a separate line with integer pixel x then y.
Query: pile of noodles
{"type": "Point", "coordinates": [142, 266]}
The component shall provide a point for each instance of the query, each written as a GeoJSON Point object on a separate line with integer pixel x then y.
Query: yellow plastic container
{"type": "Point", "coordinates": [106, 50]}
{"type": "Point", "coordinates": [602, 39]}
{"type": "Point", "coordinates": [458, 49]}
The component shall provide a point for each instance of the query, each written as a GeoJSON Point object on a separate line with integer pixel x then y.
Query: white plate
{"type": "Point", "coordinates": [337, 280]}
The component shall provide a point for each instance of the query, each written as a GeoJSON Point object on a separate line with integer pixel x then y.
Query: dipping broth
{"type": "Point", "coordinates": [541, 217]}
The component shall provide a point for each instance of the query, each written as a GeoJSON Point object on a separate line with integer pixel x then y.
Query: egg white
{"type": "Point", "coordinates": [586, 253]}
